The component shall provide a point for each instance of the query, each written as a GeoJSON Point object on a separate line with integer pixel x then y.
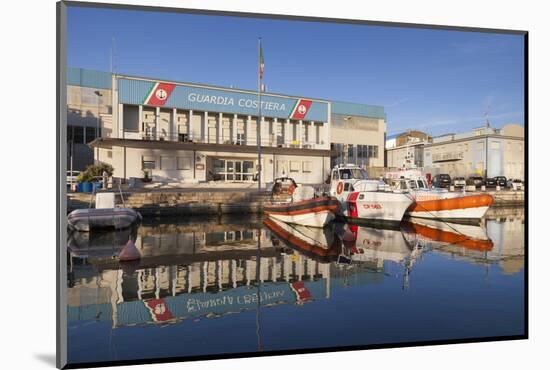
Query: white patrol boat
{"type": "Point", "coordinates": [366, 200]}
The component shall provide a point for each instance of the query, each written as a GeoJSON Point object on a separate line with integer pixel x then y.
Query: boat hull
{"type": "Point", "coordinates": [102, 218]}
{"type": "Point", "coordinates": [470, 207]}
{"type": "Point", "coordinates": [316, 212]}
{"type": "Point", "coordinates": [376, 207]}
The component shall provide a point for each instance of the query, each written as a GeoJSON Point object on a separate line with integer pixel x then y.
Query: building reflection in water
{"type": "Point", "coordinates": [213, 268]}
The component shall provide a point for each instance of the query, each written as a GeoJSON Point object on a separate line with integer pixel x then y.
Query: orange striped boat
{"type": "Point", "coordinates": [448, 205]}
{"type": "Point", "coordinates": [439, 203]}
{"type": "Point", "coordinates": [303, 207]}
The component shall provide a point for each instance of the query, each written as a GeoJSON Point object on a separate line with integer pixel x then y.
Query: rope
{"type": "Point", "coordinates": [437, 218]}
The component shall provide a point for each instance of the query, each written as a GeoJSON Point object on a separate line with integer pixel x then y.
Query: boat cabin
{"type": "Point", "coordinates": [284, 185]}
{"type": "Point", "coordinates": [349, 172]}
{"type": "Point", "coordinates": [407, 180]}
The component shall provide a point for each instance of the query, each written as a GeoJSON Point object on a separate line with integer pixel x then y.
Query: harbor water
{"type": "Point", "coordinates": [239, 284]}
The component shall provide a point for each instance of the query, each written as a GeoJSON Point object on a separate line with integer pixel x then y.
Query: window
{"type": "Point", "coordinates": [373, 151]}
{"type": "Point", "coordinates": [350, 153]}
{"type": "Point", "coordinates": [294, 166]}
{"type": "Point", "coordinates": [109, 154]}
{"type": "Point", "coordinates": [69, 133]}
{"type": "Point", "coordinates": [78, 134]}
{"type": "Point", "coordinates": [352, 173]}
{"type": "Point", "coordinates": [90, 134]}
{"type": "Point", "coordinates": [307, 166]}
{"type": "Point", "coordinates": [167, 163]}
{"type": "Point", "coordinates": [495, 145]}
{"type": "Point", "coordinates": [148, 163]}
{"type": "Point", "coordinates": [184, 163]}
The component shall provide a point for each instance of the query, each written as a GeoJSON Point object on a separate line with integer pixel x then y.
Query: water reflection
{"type": "Point", "coordinates": [195, 270]}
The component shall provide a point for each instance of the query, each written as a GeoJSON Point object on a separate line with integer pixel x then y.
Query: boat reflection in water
{"type": "Point", "coordinates": [320, 244]}
{"type": "Point", "coordinates": [188, 272]}
{"type": "Point", "coordinates": [195, 270]}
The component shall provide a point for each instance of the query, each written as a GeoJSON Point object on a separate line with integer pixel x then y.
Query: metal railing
{"type": "Point", "coordinates": [272, 141]}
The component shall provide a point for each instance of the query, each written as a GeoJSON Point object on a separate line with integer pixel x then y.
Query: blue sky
{"type": "Point", "coordinates": [432, 80]}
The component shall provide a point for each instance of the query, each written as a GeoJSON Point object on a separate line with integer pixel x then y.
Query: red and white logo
{"type": "Point", "coordinates": [302, 293]}
{"type": "Point", "coordinates": [300, 109]}
{"type": "Point", "coordinates": [159, 94]}
{"type": "Point", "coordinates": [158, 309]}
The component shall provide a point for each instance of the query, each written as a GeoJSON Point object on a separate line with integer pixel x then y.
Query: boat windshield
{"type": "Point", "coordinates": [353, 173]}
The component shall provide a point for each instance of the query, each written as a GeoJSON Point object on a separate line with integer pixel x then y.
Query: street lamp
{"type": "Point", "coordinates": [98, 94]}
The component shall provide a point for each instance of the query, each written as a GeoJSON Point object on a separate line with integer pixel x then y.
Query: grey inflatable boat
{"type": "Point", "coordinates": [102, 218]}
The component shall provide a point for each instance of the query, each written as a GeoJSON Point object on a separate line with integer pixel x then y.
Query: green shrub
{"type": "Point", "coordinates": [91, 172]}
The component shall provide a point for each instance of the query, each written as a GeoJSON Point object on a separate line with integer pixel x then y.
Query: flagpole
{"type": "Point", "coordinates": [258, 127]}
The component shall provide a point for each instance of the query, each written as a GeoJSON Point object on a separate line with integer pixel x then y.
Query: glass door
{"type": "Point", "coordinates": [248, 171]}
{"type": "Point", "coordinates": [230, 170]}
{"type": "Point", "coordinates": [238, 171]}
{"type": "Point", "coordinates": [233, 170]}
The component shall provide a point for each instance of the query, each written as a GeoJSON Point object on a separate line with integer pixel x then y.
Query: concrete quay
{"type": "Point", "coordinates": [180, 203]}
{"type": "Point", "coordinates": [173, 202]}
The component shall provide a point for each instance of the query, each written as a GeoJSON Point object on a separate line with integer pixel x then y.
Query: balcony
{"type": "Point", "coordinates": [447, 157]}
{"type": "Point", "coordinates": [270, 141]}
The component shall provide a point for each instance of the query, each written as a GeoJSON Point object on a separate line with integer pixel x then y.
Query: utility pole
{"type": "Point", "coordinates": [98, 94]}
{"type": "Point", "coordinates": [258, 126]}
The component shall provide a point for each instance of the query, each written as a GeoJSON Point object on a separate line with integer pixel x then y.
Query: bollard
{"type": "Point", "coordinates": [482, 187]}
{"type": "Point", "coordinates": [498, 187]}
{"type": "Point", "coordinates": [451, 188]}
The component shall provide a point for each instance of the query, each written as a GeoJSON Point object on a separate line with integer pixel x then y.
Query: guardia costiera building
{"type": "Point", "coordinates": [178, 132]}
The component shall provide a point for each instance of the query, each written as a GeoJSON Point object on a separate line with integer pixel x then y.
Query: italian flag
{"type": "Point", "coordinates": [261, 62]}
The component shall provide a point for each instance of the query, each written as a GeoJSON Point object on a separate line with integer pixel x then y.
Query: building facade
{"type": "Point", "coordinates": [406, 150]}
{"type": "Point", "coordinates": [485, 151]}
{"type": "Point", "coordinates": [179, 132]}
{"type": "Point", "coordinates": [89, 109]}
{"type": "Point", "coordinates": [357, 134]}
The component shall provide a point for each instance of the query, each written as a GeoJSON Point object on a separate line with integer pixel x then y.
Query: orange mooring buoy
{"type": "Point", "coordinates": [129, 252]}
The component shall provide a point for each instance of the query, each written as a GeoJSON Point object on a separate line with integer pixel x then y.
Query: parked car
{"type": "Point", "coordinates": [71, 177]}
{"type": "Point", "coordinates": [490, 182]}
{"type": "Point", "coordinates": [501, 181]}
{"type": "Point", "coordinates": [441, 180]}
{"type": "Point", "coordinates": [515, 184]}
{"type": "Point", "coordinates": [475, 180]}
{"type": "Point", "coordinates": [459, 182]}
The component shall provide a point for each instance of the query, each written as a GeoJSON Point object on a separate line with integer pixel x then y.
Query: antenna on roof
{"type": "Point", "coordinates": [487, 124]}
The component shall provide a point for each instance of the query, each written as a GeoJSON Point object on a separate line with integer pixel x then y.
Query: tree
{"type": "Point", "coordinates": [92, 172]}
